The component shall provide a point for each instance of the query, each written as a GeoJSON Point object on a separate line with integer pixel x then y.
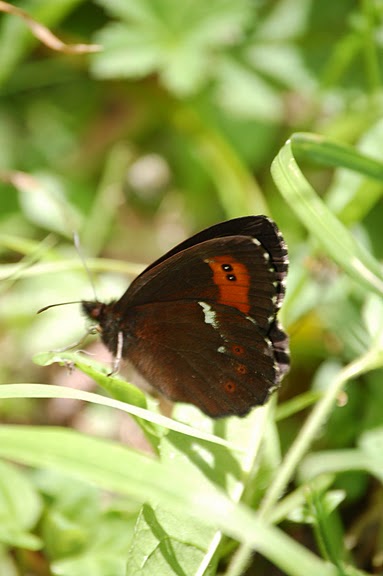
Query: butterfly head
{"type": "Point", "coordinates": [104, 321]}
{"type": "Point", "coordinates": [94, 310]}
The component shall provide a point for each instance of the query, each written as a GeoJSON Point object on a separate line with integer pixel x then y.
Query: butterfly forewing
{"type": "Point", "coordinates": [232, 270]}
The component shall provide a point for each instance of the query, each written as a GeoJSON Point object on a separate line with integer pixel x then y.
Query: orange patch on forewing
{"type": "Point", "coordinates": [233, 293]}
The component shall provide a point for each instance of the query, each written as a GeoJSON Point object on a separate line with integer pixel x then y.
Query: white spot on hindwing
{"type": "Point", "coordinates": [210, 315]}
{"type": "Point", "coordinates": [221, 349]}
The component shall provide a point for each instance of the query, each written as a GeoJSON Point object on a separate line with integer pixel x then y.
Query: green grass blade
{"type": "Point", "coordinates": [50, 391]}
{"type": "Point", "coordinates": [318, 149]}
{"type": "Point", "coordinates": [330, 233]}
{"type": "Point", "coordinates": [313, 424]}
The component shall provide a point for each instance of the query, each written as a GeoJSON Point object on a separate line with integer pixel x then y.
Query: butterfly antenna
{"type": "Point", "coordinates": [77, 244]}
{"type": "Point", "coordinates": [58, 304]}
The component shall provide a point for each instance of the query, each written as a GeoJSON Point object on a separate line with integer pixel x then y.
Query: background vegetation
{"type": "Point", "coordinates": [173, 125]}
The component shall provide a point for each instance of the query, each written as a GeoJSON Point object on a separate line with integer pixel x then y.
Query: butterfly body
{"type": "Point", "coordinates": [200, 323]}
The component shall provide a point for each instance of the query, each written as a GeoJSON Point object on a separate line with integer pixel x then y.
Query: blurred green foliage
{"type": "Point", "coordinates": [173, 126]}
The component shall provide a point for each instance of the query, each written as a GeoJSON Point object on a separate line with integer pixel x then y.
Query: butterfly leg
{"type": "Point", "coordinates": [118, 357]}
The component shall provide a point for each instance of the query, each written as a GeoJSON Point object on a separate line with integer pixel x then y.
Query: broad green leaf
{"type": "Point", "coordinates": [95, 564]}
{"type": "Point", "coordinates": [81, 536]}
{"type": "Point", "coordinates": [105, 550]}
{"type": "Point", "coordinates": [130, 10]}
{"type": "Point", "coordinates": [127, 53]}
{"type": "Point", "coordinates": [105, 553]}
{"type": "Point", "coordinates": [253, 97]}
{"type": "Point", "coordinates": [120, 469]}
{"type": "Point", "coordinates": [166, 544]}
{"type": "Point", "coordinates": [283, 62]}
{"type": "Point", "coordinates": [19, 499]}
{"type": "Point", "coordinates": [212, 23]}
{"type": "Point", "coordinates": [175, 543]}
{"type": "Point", "coordinates": [182, 544]}
{"type": "Point", "coordinates": [20, 508]}
{"type": "Point", "coordinates": [179, 43]}
{"type": "Point", "coordinates": [72, 517]}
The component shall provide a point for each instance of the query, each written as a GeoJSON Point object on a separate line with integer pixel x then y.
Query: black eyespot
{"type": "Point", "coordinates": [231, 277]}
{"type": "Point", "coordinates": [227, 267]}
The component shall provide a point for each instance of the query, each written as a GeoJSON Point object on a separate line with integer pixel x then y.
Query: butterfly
{"type": "Point", "coordinates": [200, 323]}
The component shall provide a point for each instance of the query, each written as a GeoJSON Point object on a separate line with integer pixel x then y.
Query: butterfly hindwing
{"type": "Point", "coordinates": [221, 362]}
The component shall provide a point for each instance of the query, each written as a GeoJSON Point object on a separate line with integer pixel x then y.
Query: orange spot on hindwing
{"type": "Point", "coordinates": [241, 369]}
{"type": "Point", "coordinates": [233, 281]}
{"type": "Point", "coordinates": [237, 349]}
{"type": "Point", "coordinates": [230, 387]}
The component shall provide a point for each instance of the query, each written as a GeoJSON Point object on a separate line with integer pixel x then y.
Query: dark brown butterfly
{"type": "Point", "coordinates": [200, 323]}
